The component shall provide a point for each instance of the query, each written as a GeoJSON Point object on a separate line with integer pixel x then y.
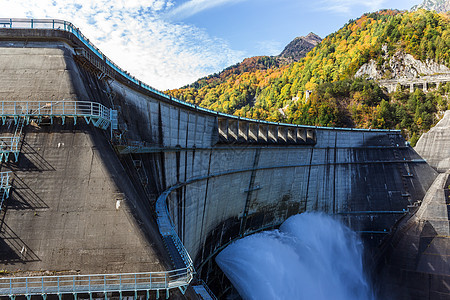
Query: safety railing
{"type": "Point", "coordinates": [98, 283]}
{"type": "Point", "coordinates": [167, 229]}
{"type": "Point", "coordinates": [5, 180]}
{"type": "Point", "coordinates": [5, 186]}
{"type": "Point", "coordinates": [9, 145]}
{"type": "Point", "coordinates": [94, 112]}
{"type": "Point", "coordinates": [54, 24]}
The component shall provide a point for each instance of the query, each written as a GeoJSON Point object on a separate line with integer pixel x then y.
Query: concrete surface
{"type": "Point", "coordinates": [62, 214]}
{"type": "Point", "coordinates": [433, 145]}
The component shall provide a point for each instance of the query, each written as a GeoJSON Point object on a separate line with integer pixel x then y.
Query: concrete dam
{"type": "Point", "coordinates": [113, 188]}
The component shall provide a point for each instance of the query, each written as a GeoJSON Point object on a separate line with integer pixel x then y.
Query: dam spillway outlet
{"type": "Point", "coordinates": [311, 256]}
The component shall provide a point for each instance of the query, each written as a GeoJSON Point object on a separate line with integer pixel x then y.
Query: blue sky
{"type": "Point", "coordinates": [171, 43]}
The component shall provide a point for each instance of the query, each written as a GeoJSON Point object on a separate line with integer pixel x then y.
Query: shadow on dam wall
{"type": "Point", "coordinates": [227, 189]}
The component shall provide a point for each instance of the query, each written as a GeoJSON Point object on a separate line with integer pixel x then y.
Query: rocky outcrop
{"type": "Point", "coordinates": [300, 46]}
{"type": "Point", "coordinates": [401, 65]}
{"type": "Point", "coordinates": [436, 5]}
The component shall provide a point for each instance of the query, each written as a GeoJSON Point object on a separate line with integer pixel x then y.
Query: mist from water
{"type": "Point", "coordinates": [312, 256]}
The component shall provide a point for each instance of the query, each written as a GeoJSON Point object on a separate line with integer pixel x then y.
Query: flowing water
{"type": "Point", "coordinates": [312, 256]}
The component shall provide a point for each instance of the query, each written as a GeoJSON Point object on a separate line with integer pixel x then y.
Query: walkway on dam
{"type": "Point", "coordinates": [24, 111]}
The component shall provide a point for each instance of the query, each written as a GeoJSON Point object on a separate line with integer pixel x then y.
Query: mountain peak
{"type": "Point", "coordinates": [300, 46]}
{"type": "Point", "coordinates": [436, 5]}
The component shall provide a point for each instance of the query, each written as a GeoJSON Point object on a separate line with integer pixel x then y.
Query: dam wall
{"type": "Point", "coordinates": [229, 176]}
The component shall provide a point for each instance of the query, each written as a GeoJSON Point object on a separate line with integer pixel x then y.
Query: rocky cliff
{"type": "Point", "coordinates": [436, 5]}
{"type": "Point", "coordinates": [400, 65]}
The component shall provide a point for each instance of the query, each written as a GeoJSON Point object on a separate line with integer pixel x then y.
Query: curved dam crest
{"type": "Point", "coordinates": [232, 176]}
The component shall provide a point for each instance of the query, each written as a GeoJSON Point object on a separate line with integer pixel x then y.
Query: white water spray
{"type": "Point", "coordinates": [311, 256]}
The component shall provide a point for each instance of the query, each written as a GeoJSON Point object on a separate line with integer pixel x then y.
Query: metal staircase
{"type": "Point", "coordinates": [5, 186]}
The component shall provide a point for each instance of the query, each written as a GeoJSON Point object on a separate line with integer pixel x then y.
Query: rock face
{"type": "Point", "coordinates": [436, 5]}
{"type": "Point", "coordinates": [401, 65]}
{"type": "Point", "coordinates": [300, 46]}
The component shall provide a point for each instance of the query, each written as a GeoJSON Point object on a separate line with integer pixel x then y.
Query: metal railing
{"type": "Point", "coordinates": [9, 145]}
{"type": "Point", "coordinates": [54, 24]}
{"type": "Point", "coordinates": [166, 228]}
{"type": "Point", "coordinates": [4, 180]}
{"type": "Point", "coordinates": [94, 112]}
{"type": "Point", "coordinates": [99, 283]}
{"type": "Point", "coordinates": [5, 186]}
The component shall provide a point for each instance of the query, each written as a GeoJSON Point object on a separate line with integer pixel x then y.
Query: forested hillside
{"type": "Point", "coordinates": [277, 93]}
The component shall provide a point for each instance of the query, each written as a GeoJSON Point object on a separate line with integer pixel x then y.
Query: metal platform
{"type": "Point", "coordinates": [93, 112]}
{"type": "Point", "coordinates": [98, 283]}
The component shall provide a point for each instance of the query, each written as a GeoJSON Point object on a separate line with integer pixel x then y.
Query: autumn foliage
{"type": "Point", "coordinates": [264, 88]}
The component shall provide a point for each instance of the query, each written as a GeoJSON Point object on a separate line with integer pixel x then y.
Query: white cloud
{"type": "Point", "coordinates": [134, 35]}
{"type": "Point", "coordinates": [269, 47]}
{"type": "Point", "coordinates": [346, 6]}
{"type": "Point", "coordinates": [193, 7]}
